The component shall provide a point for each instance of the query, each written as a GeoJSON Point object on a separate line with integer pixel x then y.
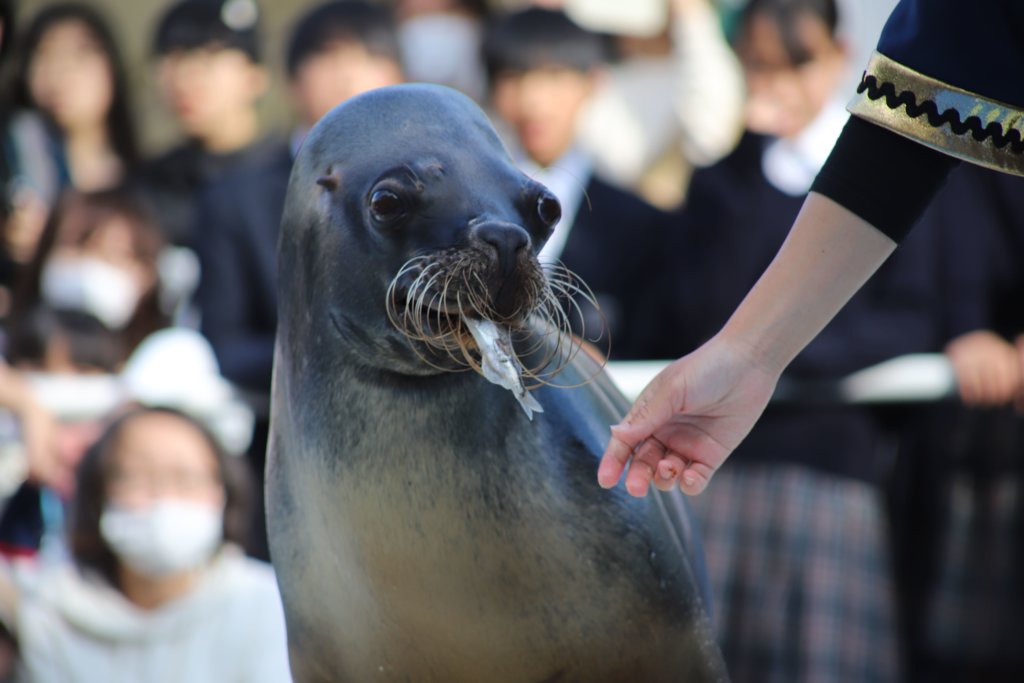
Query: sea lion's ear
{"type": "Point", "coordinates": [330, 181]}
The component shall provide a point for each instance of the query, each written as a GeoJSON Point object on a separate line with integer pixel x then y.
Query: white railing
{"type": "Point", "coordinates": [914, 378]}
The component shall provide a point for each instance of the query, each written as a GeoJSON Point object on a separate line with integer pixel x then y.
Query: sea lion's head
{"type": "Point", "coordinates": [405, 215]}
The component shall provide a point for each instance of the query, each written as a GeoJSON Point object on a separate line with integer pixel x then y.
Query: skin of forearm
{"type": "Point", "coordinates": [828, 255]}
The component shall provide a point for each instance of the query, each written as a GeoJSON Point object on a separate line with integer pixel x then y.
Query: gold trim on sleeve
{"type": "Point", "coordinates": [952, 120]}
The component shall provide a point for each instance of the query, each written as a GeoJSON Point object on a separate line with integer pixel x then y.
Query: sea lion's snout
{"type": "Point", "coordinates": [507, 240]}
{"type": "Point", "coordinates": [512, 267]}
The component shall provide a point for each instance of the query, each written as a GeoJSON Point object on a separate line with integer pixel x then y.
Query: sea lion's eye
{"type": "Point", "coordinates": [549, 210]}
{"type": "Point", "coordinates": [386, 205]}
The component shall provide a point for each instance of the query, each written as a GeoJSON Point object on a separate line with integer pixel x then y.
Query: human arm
{"type": "Point", "coordinates": [710, 95]}
{"type": "Point", "coordinates": [695, 412]}
{"type": "Point", "coordinates": [38, 432]}
{"type": "Point", "coordinates": [693, 97]}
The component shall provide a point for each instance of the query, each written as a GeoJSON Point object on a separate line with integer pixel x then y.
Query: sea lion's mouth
{"type": "Point", "coordinates": [443, 303]}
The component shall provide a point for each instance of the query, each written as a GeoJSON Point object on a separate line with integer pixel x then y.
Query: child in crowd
{"type": "Point", "coordinates": [441, 40]}
{"type": "Point", "coordinates": [98, 255]}
{"type": "Point", "coordinates": [71, 73]}
{"type": "Point", "coordinates": [157, 590]}
{"type": "Point", "coordinates": [70, 125]}
{"type": "Point", "coordinates": [210, 77]}
{"type": "Point", "coordinates": [86, 299]}
{"type": "Point", "coordinates": [543, 68]}
{"type": "Point", "coordinates": [337, 50]}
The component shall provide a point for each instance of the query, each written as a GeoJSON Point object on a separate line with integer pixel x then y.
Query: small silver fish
{"type": "Point", "coordinates": [500, 365]}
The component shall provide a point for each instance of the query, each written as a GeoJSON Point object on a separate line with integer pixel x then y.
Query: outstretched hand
{"type": "Point", "coordinates": [687, 421]}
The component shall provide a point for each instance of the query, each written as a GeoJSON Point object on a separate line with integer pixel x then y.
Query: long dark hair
{"type": "Point", "coordinates": [120, 127]}
{"type": "Point", "coordinates": [88, 548]}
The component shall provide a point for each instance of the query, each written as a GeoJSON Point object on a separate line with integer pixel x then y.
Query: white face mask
{"type": "Point", "coordinates": [443, 48]}
{"type": "Point", "coordinates": [164, 538]}
{"type": "Point", "coordinates": [92, 286]}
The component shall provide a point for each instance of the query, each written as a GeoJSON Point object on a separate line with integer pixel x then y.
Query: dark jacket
{"type": "Point", "coordinates": [239, 219]}
{"type": "Point", "coordinates": [617, 247]}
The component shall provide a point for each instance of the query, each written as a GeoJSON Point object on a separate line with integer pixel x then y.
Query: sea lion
{"type": "Point", "coordinates": [423, 526]}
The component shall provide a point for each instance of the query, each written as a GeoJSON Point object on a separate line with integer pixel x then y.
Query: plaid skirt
{"type": "Point", "coordinates": [961, 549]}
{"type": "Point", "coordinates": [974, 608]}
{"type": "Point", "coordinates": [801, 580]}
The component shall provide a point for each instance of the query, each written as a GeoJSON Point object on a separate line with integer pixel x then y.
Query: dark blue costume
{"type": "Point", "coordinates": [239, 218]}
{"type": "Point", "coordinates": [946, 75]}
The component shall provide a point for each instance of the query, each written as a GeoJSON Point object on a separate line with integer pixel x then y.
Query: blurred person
{"type": "Point", "coordinates": [441, 42]}
{"type": "Point", "coordinates": [336, 50]}
{"type": "Point", "coordinates": [157, 589]}
{"type": "Point", "coordinates": [40, 449]}
{"type": "Point", "coordinates": [72, 73]}
{"type": "Point", "coordinates": [6, 26]}
{"type": "Point", "coordinates": [210, 76]}
{"type": "Point", "coordinates": [956, 504]}
{"type": "Point", "coordinates": [543, 68]}
{"type": "Point", "coordinates": [8, 265]}
{"type": "Point", "coordinates": [67, 377]}
{"type": "Point", "coordinates": [794, 527]}
{"type": "Point", "coordinates": [33, 456]}
{"type": "Point", "coordinates": [86, 299]}
{"type": "Point", "coordinates": [70, 125]}
{"type": "Point", "coordinates": [672, 101]}
{"type": "Point", "coordinates": [99, 254]}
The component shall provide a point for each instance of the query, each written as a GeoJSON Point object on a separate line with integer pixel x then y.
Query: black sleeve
{"type": "Point", "coordinates": [885, 178]}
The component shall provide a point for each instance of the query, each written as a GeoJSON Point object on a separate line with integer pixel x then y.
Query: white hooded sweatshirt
{"type": "Point", "coordinates": [75, 628]}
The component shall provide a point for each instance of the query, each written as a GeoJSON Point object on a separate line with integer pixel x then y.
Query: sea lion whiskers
{"type": "Point", "coordinates": [441, 289]}
{"type": "Point", "coordinates": [560, 293]}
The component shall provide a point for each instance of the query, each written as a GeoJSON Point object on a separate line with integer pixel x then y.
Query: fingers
{"type": "Point", "coordinates": [670, 469]}
{"type": "Point", "coordinates": [616, 456]}
{"type": "Point", "coordinates": [696, 478]}
{"type": "Point", "coordinates": [652, 409]}
{"type": "Point", "coordinates": [644, 465]}
{"type": "Point", "coordinates": [988, 383]}
{"type": "Point", "coordinates": [987, 368]}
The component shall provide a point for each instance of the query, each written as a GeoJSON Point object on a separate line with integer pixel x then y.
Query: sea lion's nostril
{"type": "Point", "coordinates": [507, 239]}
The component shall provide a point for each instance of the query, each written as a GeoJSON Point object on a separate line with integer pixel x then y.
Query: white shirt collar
{"type": "Point", "coordinates": [791, 165]}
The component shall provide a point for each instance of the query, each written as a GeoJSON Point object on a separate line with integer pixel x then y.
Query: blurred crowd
{"type": "Point", "coordinates": [138, 313]}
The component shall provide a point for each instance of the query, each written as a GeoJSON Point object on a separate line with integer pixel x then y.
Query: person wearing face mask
{"type": "Point", "coordinates": [99, 254]}
{"type": "Point", "coordinates": [157, 590]}
{"type": "Point", "coordinates": [441, 41]}
{"type": "Point", "coordinates": [85, 300]}
{"type": "Point", "coordinates": [67, 124]}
